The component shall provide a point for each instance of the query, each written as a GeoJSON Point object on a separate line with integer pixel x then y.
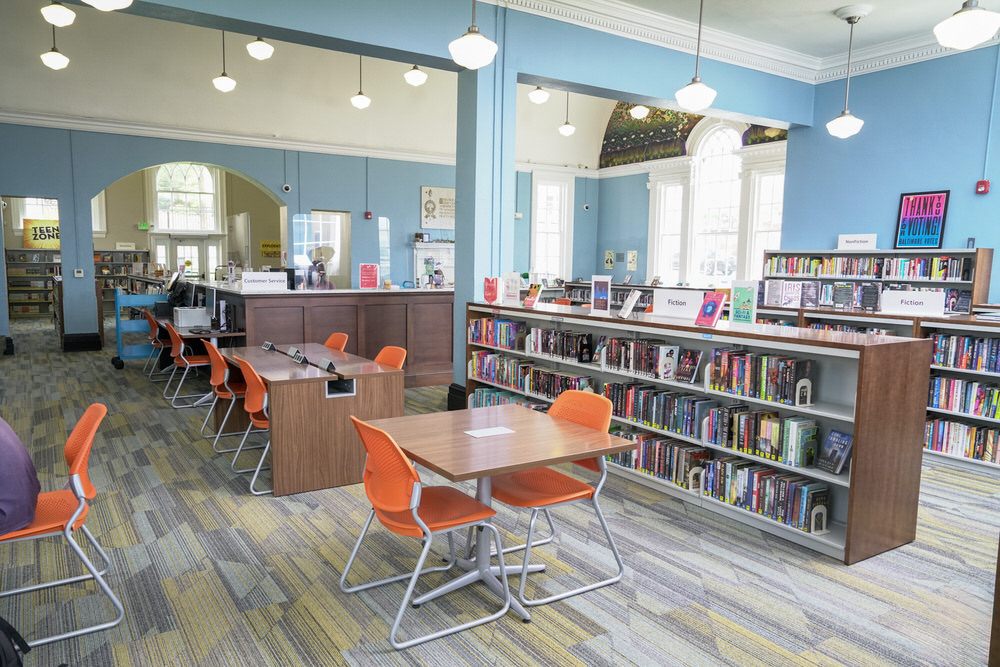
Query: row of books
{"type": "Point", "coordinates": [34, 271]}
{"type": "Point", "coordinates": [666, 410]}
{"type": "Point", "coordinates": [486, 397]}
{"type": "Point", "coordinates": [960, 439]}
{"type": "Point", "coordinates": [119, 257]}
{"type": "Point", "coordinates": [663, 457]}
{"type": "Point", "coordinates": [826, 326]}
{"type": "Point", "coordinates": [959, 395]}
{"type": "Point", "coordinates": [782, 496]}
{"type": "Point", "coordinates": [618, 296]}
{"type": "Point", "coordinates": [942, 267]}
{"type": "Point", "coordinates": [770, 377]}
{"type": "Point", "coordinates": [790, 440]}
{"type": "Point", "coordinates": [967, 352]}
{"type": "Point", "coordinates": [654, 358]}
{"type": "Point", "coordinates": [34, 258]}
{"type": "Point", "coordinates": [572, 345]}
{"type": "Point", "coordinates": [523, 375]}
{"type": "Point", "coordinates": [508, 334]}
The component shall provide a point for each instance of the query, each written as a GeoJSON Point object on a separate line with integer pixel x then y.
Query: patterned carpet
{"type": "Point", "coordinates": [210, 575]}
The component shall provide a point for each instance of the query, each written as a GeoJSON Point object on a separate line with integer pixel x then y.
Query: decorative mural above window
{"type": "Point", "coordinates": [661, 134]}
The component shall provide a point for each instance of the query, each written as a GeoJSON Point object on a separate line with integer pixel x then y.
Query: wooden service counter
{"type": "Point", "coordinates": [419, 320]}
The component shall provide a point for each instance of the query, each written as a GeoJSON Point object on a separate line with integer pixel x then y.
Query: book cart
{"type": "Point", "coordinates": [862, 385]}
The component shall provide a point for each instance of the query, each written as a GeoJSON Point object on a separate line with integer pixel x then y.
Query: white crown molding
{"type": "Point", "coordinates": [619, 18]}
{"type": "Point", "coordinates": [582, 172]}
{"type": "Point", "coordinates": [208, 136]}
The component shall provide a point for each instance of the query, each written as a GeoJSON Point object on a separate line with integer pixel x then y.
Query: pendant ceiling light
{"type": "Point", "coordinates": [58, 14]}
{"type": "Point", "coordinates": [539, 95]}
{"type": "Point", "coordinates": [696, 96]}
{"type": "Point", "coordinates": [847, 124]}
{"type": "Point", "coordinates": [415, 76]}
{"type": "Point", "coordinates": [360, 101]}
{"type": "Point", "coordinates": [472, 50]}
{"type": "Point", "coordinates": [968, 27]}
{"type": "Point", "coordinates": [567, 129]}
{"type": "Point", "coordinates": [108, 5]}
{"type": "Point", "coordinates": [224, 82]}
{"type": "Point", "coordinates": [260, 49]}
{"type": "Point", "coordinates": [639, 111]}
{"type": "Point", "coordinates": [52, 58]}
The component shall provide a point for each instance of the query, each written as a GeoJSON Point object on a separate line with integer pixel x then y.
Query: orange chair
{"type": "Point", "coordinates": [563, 301]}
{"type": "Point", "coordinates": [541, 489]}
{"type": "Point", "coordinates": [184, 360]}
{"type": "Point", "coordinates": [63, 513]}
{"type": "Point", "coordinates": [255, 403]}
{"type": "Point", "coordinates": [225, 388]}
{"type": "Point", "coordinates": [406, 508]}
{"type": "Point", "coordinates": [154, 339]}
{"type": "Point", "coordinates": [336, 341]}
{"type": "Point", "coordinates": [648, 309]}
{"type": "Point", "coordinates": [390, 355]}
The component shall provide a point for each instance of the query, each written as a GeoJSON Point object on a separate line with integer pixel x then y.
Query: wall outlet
{"type": "Point", "coordinates": [78, 273]}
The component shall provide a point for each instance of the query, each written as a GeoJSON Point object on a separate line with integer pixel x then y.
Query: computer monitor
{"type": "Point", "coordinates": [210, 301]}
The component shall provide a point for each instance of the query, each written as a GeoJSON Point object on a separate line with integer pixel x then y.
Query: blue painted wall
{"type": "Point", "coordinates": [522, 225]}
{"type": "Point", "coordinates": [927, 127]}
{"type": "Point", "coordinates": [624, 224]}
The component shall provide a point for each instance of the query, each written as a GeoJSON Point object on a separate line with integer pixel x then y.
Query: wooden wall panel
{"type": "Point", "coordinates": [381, 324]}
{"type": "Point", "coordinates": [428, 359]}
{"type": "Point", "coordinates": [323, 320]}
{"type": "Point", "coordinates": [278, 324]}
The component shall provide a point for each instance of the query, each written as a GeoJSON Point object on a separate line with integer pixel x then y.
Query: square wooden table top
{"type": "Point", "coordinates": [439, 441]}
{"type": "Point", "coordinates": [275, 366]}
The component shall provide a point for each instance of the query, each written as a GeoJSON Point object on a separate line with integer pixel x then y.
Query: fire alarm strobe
{"type": "Point", "coordinates": [368, 215]}
{"type": "Point", "coordinates": [982, 187]}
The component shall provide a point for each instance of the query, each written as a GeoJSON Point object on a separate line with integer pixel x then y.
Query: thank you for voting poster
{"type": "Point", "coordinates": [921, 219]}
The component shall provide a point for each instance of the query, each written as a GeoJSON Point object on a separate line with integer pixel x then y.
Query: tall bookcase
{"type": "Point", "coordinates": [112, 268]}
{"type": "Point", "coordinates": [29, 281]}
{"type": "Point", "coordinates": [863, 385]}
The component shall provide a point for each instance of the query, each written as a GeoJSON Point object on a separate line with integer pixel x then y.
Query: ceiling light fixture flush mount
{"type": "Point", "coordinates": [968, 27]}
{"type": "Point", "coordinates": [696, 96]}
{"type": "Point", "coordinates": [567, 129]}
{"type": "Point", "coordinates": [639, 111]}
{"type": "Point", "coordinates": [539, 95]}
{"type": "Point", "coordinates": [472, 50]}
{"type": "Point", "coordinates": [52, 58]}
{"type": "Point", "coordinates": [360, 101]}
{"type": "Point", "coordinates": [108, 5]}
{"type": "Point", "coordinates": [224, 82]}
{"type": "Point", "coordinates": [58, 14]}
{"type": "Point", "coordinates": [260, 49]}
{"type": "Point", "coordinates": [847, 124]}
{"type": "Point", "coordinates": [415, 76]}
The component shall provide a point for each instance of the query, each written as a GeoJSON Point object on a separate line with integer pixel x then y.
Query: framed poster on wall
{"type": "Point", "coordinates": [437, 207]}
{"type": "Point", "coordinates": [920, 223]}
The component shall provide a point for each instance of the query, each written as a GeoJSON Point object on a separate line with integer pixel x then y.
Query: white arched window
{"type": "Point", "coordinates": [713, 212]}
{"type": "Point", "coordinates": [186, 198]}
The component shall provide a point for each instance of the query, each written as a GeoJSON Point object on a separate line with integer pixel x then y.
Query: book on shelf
{"type": "Point", "coordinates": [687, 367]}
{"type": "Point", "coordinates": [490, 290]}
{"type": "Point", "coordinates": [810, 293]}
{"type": "Point", "coordinates": [869, 296]}
{"type": "Point", "coordinates": [772, 292]}
{"type": "Point", "coordinates": [629, 304]}
{"type": "Point", "coordinates": [628, 279]}
{"type": "Point", "coordinates": [666, 366]}
{"type": "Point", "coordinates": [744, 306]}
{"type": "Point", "coordinates": [843, 295]}
{"type": "Point", "coordinates": [711, 309]}
{"type": "Point", "coordinates": [533, 291]}
{"type": "Point", "coordinates": [835, 452]}
{"type": "Point", "coordinates": [791, 293]}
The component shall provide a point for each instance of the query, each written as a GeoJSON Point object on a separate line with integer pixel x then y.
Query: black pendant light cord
{"type": "Point", "coordinates": [223, 51]}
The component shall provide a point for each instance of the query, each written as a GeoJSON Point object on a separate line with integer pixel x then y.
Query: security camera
{"type": "Point", "coordinates": [286, 188]}
{"type": "Point", "coordinates": [586, 207]}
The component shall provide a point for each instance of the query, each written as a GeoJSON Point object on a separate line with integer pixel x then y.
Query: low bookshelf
{"type": "Point", "coordinates": [862, 385]}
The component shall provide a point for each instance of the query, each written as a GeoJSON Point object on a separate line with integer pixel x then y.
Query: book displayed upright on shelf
{"type": "Point", "coordinates": [629, 304]}
{"type": "Point", "coordinates": [791, 294]}
{"type": "Point", "coordinates": [687, 367]}
{"type": "Point", "coordinates": [711, 309]}
{"type": "Point", "coordinates": [835, 452]}
{"type": "Point", "coordinates": [810, 293]}
{"type": "Point", "coordinates": [533, 291]}
{"type": "Point", "coordinates": [491, 290]}
{"type": "Point", "coordinates": [744, 306]}
{"type": "Point", "coordinates": [772, 292]}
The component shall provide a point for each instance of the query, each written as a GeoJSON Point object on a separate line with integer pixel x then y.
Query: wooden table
{"type": "Point", "coordinates": [313, 443]}
{"type": "Point", "coordinates": [439, 442]}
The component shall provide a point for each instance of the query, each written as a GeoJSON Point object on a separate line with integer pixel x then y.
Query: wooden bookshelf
{"type": "Point", "coordinates": [112, 269]}
{"type": "Point", "coordinates": [864, 384]}
{"type": "Point", "coordinates": [29, 281]}
{"type": "Point", "coordinates": [57, 310]}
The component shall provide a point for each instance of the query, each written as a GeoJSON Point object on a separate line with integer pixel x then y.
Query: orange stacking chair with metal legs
{"type": "Point", "coordinates": [390, 355]}
{"type": "Point", "coordinates": [182, 359]}
{"type": "Point", "coordinates": [336, 341]}
{"type": "Point", "coordinates": [63, 513]}
{"type": "Point", "coordinates": [154, 339]}
{"type": "Point", "coordinates": [406, 508]}
{"type": "Point", "coordinates": [225, 388]}
{"type": "Point", "coordinates": [542, 489]}
{"type": "Point", "coordinates": [255, 403]}
{"type": "Point", "coordinates": [562, 301]}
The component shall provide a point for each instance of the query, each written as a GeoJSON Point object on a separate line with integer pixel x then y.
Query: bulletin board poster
{"type": "Point", "coordinates": [437, 207]}
{"type": "Point", "coordinates": [270, 248]}
{"type": "Point", "coordinates": [41, 234]}
{"type": "Point", "coordinates": [921, 219]}
{"type": "Point", "coordinates": [369, 276]}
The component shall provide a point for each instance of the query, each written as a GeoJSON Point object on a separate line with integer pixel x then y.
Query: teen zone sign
{"type": "Point", "coordinates": [41, 234]}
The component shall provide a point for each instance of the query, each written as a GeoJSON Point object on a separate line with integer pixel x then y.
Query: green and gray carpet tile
{"type": "Point", "coordinates": [211, 575]}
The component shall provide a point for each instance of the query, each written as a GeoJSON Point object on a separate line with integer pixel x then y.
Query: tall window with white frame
{"type": "Point", "coordinates": [551, 225]}
{"type": "Point", "coordinates": [185, 202]}
{"type": "Point", "coordinates": [714, 212]}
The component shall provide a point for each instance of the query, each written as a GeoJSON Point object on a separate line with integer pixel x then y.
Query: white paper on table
{"type": "Point", "coordinates": [486, 432]}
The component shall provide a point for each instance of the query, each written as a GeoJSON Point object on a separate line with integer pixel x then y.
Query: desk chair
{"type": "Point", "coordinates": [390, 355]}
{"type": "Point", "coordinates": [255, 403]}
{"type": "Point", "coordinates": [184, 360]}
{"type": "Point", "coordinates": [336, 341]}
{"type": "Point", "coordinates": [648, 309]}
{"type": "Point", "coordinates": [225, 388]}
{"type": "Point", "coordinates": [562, 301]}
{"type": "Point", "coordinates": [541, 489]}
{"type": "Point", "coordinates": [63, 513]}
{"type": "Point", "coordinates": [154, 339]}
{"type": "Point", "coordinates": [406, 508]}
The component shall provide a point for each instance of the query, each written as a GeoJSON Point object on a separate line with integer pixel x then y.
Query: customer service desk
{"type": "Point", "coordinates": [313, 443]}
